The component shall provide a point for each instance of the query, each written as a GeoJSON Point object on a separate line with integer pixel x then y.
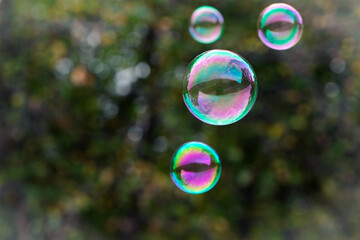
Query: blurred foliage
{"type": "Point", "coordinates": [91, 112]}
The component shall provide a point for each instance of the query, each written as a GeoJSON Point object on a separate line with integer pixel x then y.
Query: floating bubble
{"type": "Point", "coordinates": [206, 24]}
{"type": "Point", "coordinates": [195, 168]}
{"type": "Point", "coordinates": [280, 26]}
{"type": "Point", "coordinates": [219, 87]}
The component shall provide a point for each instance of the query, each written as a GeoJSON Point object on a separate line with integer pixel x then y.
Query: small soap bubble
{"type": "Point", "coordinates": [280, 26]}
{"type": "Point", "coordinates": [206, 24]}
{"type": "Point", "coordinates": [219, 87]}
{"type": "Point", "coordinates": [195, 168]}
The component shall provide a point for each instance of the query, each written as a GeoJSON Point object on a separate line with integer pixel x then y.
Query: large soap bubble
{"type": "Point", "coordinates": [219, 87]}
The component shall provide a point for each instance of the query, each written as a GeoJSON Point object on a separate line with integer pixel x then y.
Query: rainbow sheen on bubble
{"type": "Point", "coordinates": [280, 26]}
{"type": "Point", "coordinates": [206, 24]}
{"type": "Point", "coordinates": [219, 87]}
{"type": "Point", "coordinates": [195, 168]}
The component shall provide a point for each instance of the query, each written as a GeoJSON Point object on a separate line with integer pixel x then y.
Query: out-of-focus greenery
{"type": "Point", "coordinates": [91, 112]}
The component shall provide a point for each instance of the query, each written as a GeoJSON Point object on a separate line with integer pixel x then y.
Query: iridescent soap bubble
{"type": "Point", "coordinates": [219, 87]}
{"type": "Point", "coordinates": [206, 24]}
{"type": "Point", "coordinates": [195, 167]}
{"type": "Point", "coordinates": [280, 26]}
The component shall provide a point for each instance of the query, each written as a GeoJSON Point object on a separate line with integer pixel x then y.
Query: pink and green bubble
{"type": "Point", "coordinates": [195, 168]}
{"type": "Point", "coordinates": [280, 26]}
{"type": "Point", "coordinates": [206, 24]}
{"type": "Point", "coordinates": [219, 87]}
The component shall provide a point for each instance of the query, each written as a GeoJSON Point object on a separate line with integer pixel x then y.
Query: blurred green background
{"type": "Point", "coordinates": [91, 112]}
